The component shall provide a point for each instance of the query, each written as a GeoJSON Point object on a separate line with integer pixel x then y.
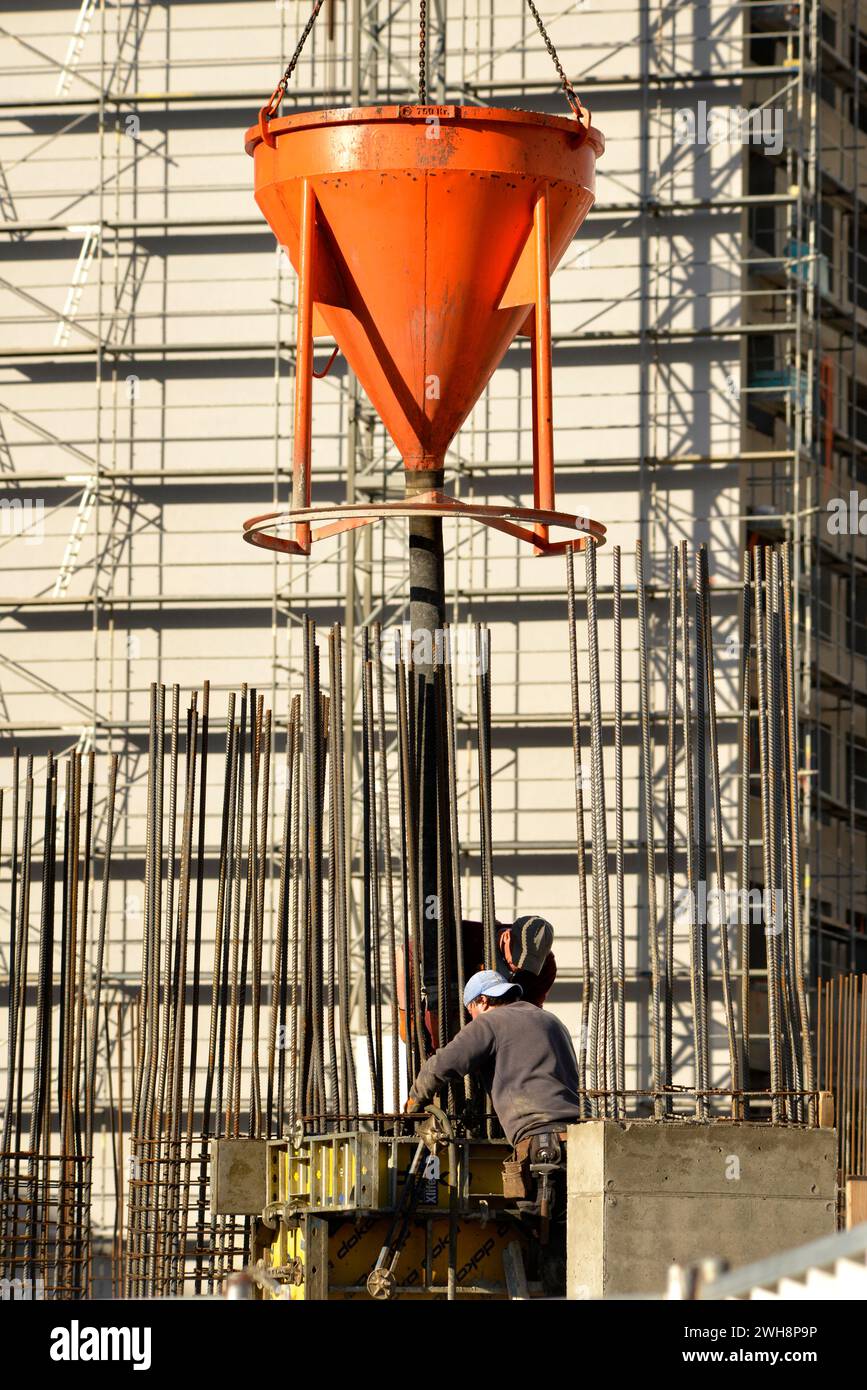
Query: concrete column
{"type": "Point", "coordinates": [645, 1196]}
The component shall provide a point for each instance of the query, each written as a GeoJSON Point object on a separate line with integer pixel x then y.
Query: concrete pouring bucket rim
{"type": "Point", "coordinates": [266, 132]}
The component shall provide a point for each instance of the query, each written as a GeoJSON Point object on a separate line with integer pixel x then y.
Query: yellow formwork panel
{"type": "Point", "coordinates": [362, 1173]}
{"type": "Point", "coordinates": [422, 1270]}
{"type": "Point", "coordinates": [327, 1173]}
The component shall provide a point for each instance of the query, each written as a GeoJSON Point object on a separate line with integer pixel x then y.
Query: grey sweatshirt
{"type": "Point", "coordinates": [525, 1060]}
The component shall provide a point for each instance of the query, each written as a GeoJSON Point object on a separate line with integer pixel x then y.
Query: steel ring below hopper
{"type": "Point", "coordinates": [530, 524]}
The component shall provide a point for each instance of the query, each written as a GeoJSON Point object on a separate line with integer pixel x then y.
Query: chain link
{"type": "Point", "coordinates": [571, 95]}
{"type": "Point", "coordinates": [280, 90]}
{"type": "Point", "coordinates": [422, 53]}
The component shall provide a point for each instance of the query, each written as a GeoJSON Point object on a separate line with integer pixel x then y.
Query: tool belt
{"type": "Point", "coordinates": [531, 1147]}
{"type": "Point", "coordinates": [546, 1149]}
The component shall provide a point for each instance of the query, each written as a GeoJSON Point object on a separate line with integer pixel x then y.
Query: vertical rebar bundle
{"type": "Point", "coordinates": [55, 952]}
{"type": "Point", "coordinates": [292, 981]}
{"type": "Point", "coordinates": [307, 986]}
{"type": "Point", "coordinates": [683, 795]}
{"type": "Point", "coordinates": [841, 1066]}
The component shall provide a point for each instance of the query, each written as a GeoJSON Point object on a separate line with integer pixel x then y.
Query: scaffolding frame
{"type": "Point", "coordinates": [365, 56]}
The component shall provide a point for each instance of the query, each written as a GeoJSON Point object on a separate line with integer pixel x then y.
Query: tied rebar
{"type": "Point", "coordinates": [293, 976]}
{"type": "Point", "coordinates": [55, 1013]}
{"type": "Point", "coordinates": [687, 955]}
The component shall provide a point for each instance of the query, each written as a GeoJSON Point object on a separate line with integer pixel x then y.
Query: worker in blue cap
{"type": "Point", "coordinates": [525, 1060]}
{"type": "Point", "coordinates": [522, 1055]}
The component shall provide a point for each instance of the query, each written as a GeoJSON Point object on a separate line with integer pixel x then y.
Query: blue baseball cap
{"type": "Point", "coordinates": [490, 983]}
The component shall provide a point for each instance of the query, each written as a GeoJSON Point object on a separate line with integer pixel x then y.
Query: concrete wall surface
{"type": "Point", "coordinates": [645, 1196]}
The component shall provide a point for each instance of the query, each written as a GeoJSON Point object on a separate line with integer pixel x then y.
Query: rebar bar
{"type": "Point", "coordinates": [62, 1031]}
{"type": "Point", "coordinates": [601, 899]}
{"type": "Point", "coordinates": [719, 846]}
{"type": "Point", "coordinates": [649, 829]}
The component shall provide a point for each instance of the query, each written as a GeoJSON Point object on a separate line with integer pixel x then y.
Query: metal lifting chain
{"type": "Point", "coordinates": [422, 53]}
{"type": "Point", "coordinates": [571, 95]}
{"type": "Point", "coordinates": [280, 90]}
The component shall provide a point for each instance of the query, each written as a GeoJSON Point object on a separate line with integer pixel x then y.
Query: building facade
{"type": "Point", "coordinates": [710, 386]}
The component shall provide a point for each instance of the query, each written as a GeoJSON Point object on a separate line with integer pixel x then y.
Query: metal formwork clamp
{"type": "Point", "coordinates": [437, 1130]}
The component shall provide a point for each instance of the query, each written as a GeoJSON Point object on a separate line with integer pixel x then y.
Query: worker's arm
{"type": "Point", "coordinates": [466, 1052]}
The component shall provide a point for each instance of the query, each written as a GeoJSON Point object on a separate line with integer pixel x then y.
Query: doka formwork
{"type": "Point", "coordinates": [643, 1197]}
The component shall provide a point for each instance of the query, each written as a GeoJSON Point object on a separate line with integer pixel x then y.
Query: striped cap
{"type": "Point", "coordinates": [531, 941]}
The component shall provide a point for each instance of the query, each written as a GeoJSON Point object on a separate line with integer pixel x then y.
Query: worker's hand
{"type": "Point", "coordinates": [411, 1105]}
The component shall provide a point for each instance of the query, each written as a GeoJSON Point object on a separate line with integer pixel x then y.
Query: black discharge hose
{"type": "Point", "coordinates": [588, 984]}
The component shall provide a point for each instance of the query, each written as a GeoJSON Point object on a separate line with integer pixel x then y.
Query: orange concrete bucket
{"type": "Point", "coordinates": [424, 238]}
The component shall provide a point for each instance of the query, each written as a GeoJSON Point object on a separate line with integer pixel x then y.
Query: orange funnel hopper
{"type": "Point", "coordinates": [424, 238]}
